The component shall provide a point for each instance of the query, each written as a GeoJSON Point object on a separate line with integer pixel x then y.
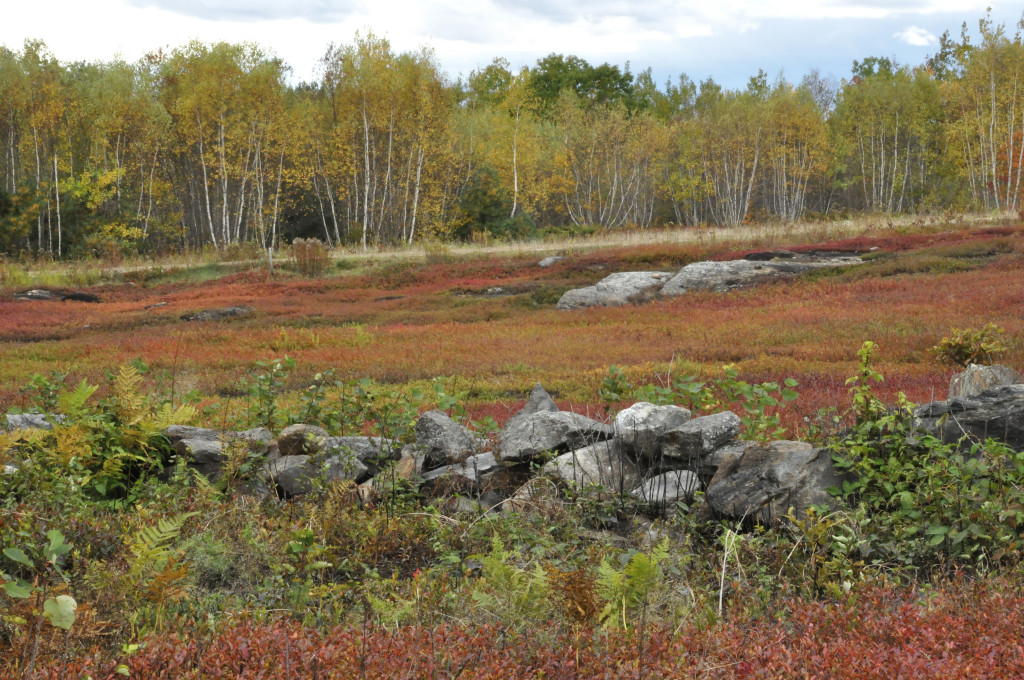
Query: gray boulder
{"type": "Point", "coordinates": [615, 290]}
{"type": "Point", "coordinates": [764, 481]}
{"type": "Point", "coordinates": [697, 439]}
{"type": "Point", "coordinates": [603, 464]}
{"type": "Point", "coordinates": [218, 314]}
{"type": "Point", "coordinates": [641, 426]}
{"type": "Point", "coordinates": [538, 402]}
{"type": "Point", "coordinates": [38, 294]}
{"type": "Point", "coordinates": [443, 440]}
{"type": "Point", "coordinates": [295, 475]}
{"type": "Point", "coordinates": [468, 472]}
{"type": "Point", "coordinates": [668, 488]}
{"type": "Point", "coordinates": [975, 379]}
{"type": "Point", "coordinates": [301, 440]}
{"type": "Point", "coordinates": [727, 275]}
{"type": "Point", "coordinates": [30, 421]}
{"type": "Point", "coordinates": [370, 451]}
{"type": "Point", "coordinates": [528, 437]}
{"type": "Point", "coordinates": [205, 449]}
{"type": "Point", "coordinates": [997, 413]}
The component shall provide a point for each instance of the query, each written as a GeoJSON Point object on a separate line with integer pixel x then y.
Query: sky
{"type": "Point", "coordinates": [728, 40]}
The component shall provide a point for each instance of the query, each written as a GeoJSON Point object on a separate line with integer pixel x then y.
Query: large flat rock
{"type": "Point", "coordinates": [615, 290]}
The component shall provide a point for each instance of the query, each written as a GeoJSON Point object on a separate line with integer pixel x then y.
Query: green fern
{"type": "Point", "coordinates": [151, 547]}
{"type": "Point", "coordinates": [72, 403]}
{"type": "Point", "coordinates": [512, 594]}
{"type": "Point", "coordinates": [631, 587]}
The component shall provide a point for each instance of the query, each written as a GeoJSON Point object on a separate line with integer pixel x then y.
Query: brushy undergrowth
{"type": "Point", "coordinates": [118, 559]}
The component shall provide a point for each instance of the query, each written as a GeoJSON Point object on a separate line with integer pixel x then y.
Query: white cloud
{"type": "Point", "coordinates": [916, 36]}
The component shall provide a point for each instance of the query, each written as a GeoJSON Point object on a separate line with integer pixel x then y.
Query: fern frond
{"type": "Point", "coordinates": [151, 546]}
{"type": "Point", "coordinates": [72, 403]}
{"type": "Point", "coordinates": [130, 402]}
{"type": "Point", "coordinates": [167, 584]}
{"type": "Point", "coordinates": [71, 442]}
{"type": "Point", "coordinates": [166, 415]}
{"type": "Point", "coordinates": [8, 440]}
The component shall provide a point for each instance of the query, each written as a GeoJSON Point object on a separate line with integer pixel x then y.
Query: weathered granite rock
{"type": "Point", "coordinates": [533, 434]}
{"type": "Point", "coordinates": [38, 294]}
{"type": "Point", "coordinates": [604, 464]}
{"type": "Point", "coordinates": [294, 475]}
{"type": "Point", "coordinates": [538, 402]}
{"type": "Point", "coordinates": [641, 426]}
{"type": "Point", "coordinates": [668, 488]}
{"type": "Point", "coordinates": [443, 440]}
{"type": "Point", "coordinates": [221, 313]}
{"type": "Point", "coordinates": [176, 433]}
{"type": "Point", "coordinates": [997, 413]}
{"type": "Point", "coordinates": [302, 440]}
{"type": "Point", "coordinates": [695, 440]}
{"type": "Point", "coordinates": [466, 473]}
{"type": "Point", "coordinates": [204, 448]}
{"type": "Point", "coordinates": [707, 466]}
{"type": "Point", "coordinates": [615, 290]}
{"type": "Point", "coordinates": [29, 421]}
{"type": "Point", "coordinates": [727, 275]}
{"type": "Point", "coordinates": [764, 481]}
{"type": "Point", "coordinates": [975, 379]}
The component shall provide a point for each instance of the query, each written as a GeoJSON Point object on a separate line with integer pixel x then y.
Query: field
{"type": "Point", "coordinates": [408, 320]}
{"type": "Point", "coordinates": [325, 587]}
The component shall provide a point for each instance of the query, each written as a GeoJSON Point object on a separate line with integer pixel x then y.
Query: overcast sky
{"type": "Point", "coordinates": [726, 39]}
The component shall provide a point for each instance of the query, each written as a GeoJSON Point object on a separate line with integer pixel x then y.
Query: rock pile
{"type": "Point", "coordinates": [660, 455]}
{"type": "Point", "coordinates": [631, 287]}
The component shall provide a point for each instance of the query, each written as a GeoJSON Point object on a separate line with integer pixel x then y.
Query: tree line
{"type": "Point", "coordinates": [212, 145]}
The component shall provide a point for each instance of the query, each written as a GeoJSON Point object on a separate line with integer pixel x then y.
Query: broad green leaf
{"type": "Point", "coordinates": [60, 611]}
{"type": "Point", "coordinates": [19, 556]}
{"type": "Point", "coordinates": [18, 590]}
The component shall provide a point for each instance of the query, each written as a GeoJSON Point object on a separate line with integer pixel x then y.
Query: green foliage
{"type": "Point", "coordinates": [630, 588]}
{"type": "Point", "coordinates": [99, 450]}
{"type": "Point", "coordinates": [264, 386]}
{"type": "Point", "coordinates": [913, 494]}
{"type": "Point", "coordinates": [509, 591]}
{"type": "Point", "coordinates": [971, 346]}
{"type": "Point", "coordinates": [759, 404]}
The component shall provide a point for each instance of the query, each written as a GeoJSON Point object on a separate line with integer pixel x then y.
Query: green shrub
{"type": "Point", "coordinates": [920, 502]}
{"type": "Point", "coordinates": [971, 346]}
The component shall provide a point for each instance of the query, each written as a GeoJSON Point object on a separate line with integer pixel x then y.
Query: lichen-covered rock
{"type": "Point", "coordinates": [443, 440]}
{"type": "Point", "coordinates": [539, 401]}
{"type": "Point", "coordinates": [295, 475]}
{"type": "Point", "coordinates": [604, 464]}
{"type": "Point", "coordinates": [975, 379]}
{"type": "Point", "coordinates": [766, 480]}
{"type": "Point", "coordinates": [727, 275]}
{"type": "Point", "coordinates": [528, 437]}
{"type": "Point", "coordinates": [302, 440]}
{"type": "Point", "coordinates": [466, 473]}
{"type": "Point", "coordinates": [641, 426]}
{"type": "Point", "coordinates": [693, 441]}
{"type": "Point", "coordinates": [668, 488]}
{"type": "Point", "coordinates": [615, 290]}
{"type": "Point", "coordinates": [997, 413]}
{"type": "Point", "coordinates": [204, 448]}
{"type": "Point", "coordinates": [30, 421]}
